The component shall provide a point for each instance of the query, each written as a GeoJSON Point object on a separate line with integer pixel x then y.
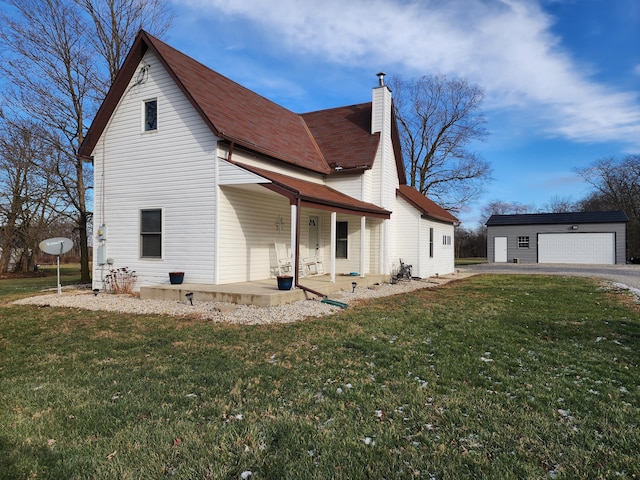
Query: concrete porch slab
{"type": "Point", "coordinates": [262, 293]}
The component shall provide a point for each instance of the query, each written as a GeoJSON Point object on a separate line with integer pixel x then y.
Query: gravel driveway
{"type": "Point", "coordinates": [626, 274]}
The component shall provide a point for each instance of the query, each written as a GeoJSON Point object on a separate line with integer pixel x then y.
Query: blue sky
{"type": "Point", "coordinates": [561, 77]}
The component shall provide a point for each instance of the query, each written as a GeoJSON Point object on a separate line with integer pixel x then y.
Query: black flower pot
{"type": "Point", "coordinates": [285, 282]}
{"type": "Point", "coordinates": [176, 278]}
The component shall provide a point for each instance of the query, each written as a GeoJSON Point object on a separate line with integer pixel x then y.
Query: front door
{"type": "Point", "coordinates": [314, 236]}
{"type": "Point", "coordinates": [500, 249]}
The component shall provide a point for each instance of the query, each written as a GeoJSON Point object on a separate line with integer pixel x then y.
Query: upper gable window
{"type": "Point", "coordinates": [150, 115]}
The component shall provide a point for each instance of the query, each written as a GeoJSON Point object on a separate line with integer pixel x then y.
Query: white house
{"type": "Point", "coordinates": [195, 173]}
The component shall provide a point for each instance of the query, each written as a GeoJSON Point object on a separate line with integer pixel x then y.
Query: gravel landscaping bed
{"type": "Point", "coordinates": [248, 314]}
{"type": "Point", "coordinates": [225, 312]}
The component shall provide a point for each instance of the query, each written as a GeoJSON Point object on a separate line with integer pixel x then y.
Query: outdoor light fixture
{"type": "Point", "coordinates": [190, 297]}
{"type": "Point", "coordinates": [353, 287]}
{"type": "Point", "coordinates": [95, 292]}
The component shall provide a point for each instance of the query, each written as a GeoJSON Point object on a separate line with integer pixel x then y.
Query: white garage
{"type": "Point", "coordinates": [588, 248]}
{"type": "Point", "coordinates": [571, 237]}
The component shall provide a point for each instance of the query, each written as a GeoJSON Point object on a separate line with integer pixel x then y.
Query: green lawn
{"type": "Point", "coordinates": [489, 377]}
{"type": "Point", "coordinates": [47, 279]}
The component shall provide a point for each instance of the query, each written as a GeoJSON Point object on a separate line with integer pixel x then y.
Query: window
{"type": "Point", "coordinates": [431, 243]}
{"type": "Point", "coordinates": [150, 115]}
{"type": "Point", "coordinates": [523, 242]}
{"type": "Point", "coordinates": [151, 233]}
{"type": "Point", "coordinates": [342, 236]}
{"type": "Point", "coordinates": [446, 240]}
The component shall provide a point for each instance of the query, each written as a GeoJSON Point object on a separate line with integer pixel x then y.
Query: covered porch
{"type": "Point", "coordinates": [272, 224]}
{"type": "Point", "coordinates": [262, 293]}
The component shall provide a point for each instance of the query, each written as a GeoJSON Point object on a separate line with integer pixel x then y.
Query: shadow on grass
{"type": "Point", "coordinates": [49, 463]}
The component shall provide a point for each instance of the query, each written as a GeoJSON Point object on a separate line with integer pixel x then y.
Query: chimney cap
{"type": "Point", "coordinates": [380, 76]}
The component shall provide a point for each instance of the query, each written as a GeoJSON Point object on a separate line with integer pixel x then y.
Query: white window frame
{"type": "Point", "coordinates": [340, 240]}
{"type": "Point", "coordinates": [144, 115]}
{"type": "Point", "coordinates": [142, 234]}
{"type": "Point", "coordinates": [523, 241]}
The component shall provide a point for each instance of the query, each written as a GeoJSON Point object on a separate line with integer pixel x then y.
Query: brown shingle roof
{"type": "Point", "coordinates": [316, 141]}
{"type": "Point", "coordinates": [343, 135]}
{"type": "Point", "coordinates": [232, 111]}
{"type": "Point", "coordinates": [319, 195]}
{"type": "Point", "coordinates": [426, 206]}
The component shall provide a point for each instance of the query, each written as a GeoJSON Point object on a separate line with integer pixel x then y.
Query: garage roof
{"type": "Point", "coordinates": [617, 216]}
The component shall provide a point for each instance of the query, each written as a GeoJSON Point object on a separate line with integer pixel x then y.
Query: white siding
{"type": "Point", "coordinates": [171, 168]}
{"type": "Point", "coordinates": [348, 184]}
{"type": "Point", "coordinates": [241, 156]}
{"type": "Point", "coordinates": [248, 219]}
{"type": "Point", "coordinates": [413, 239]}
{"type": "Point", "coordinates": [230, 174]}
{"type": "Point", "coordinates": [384, 174]}
{"type": "Point", "coordinates": [443, 259]}
{"type": "Point", "coordinates": [408, 235]}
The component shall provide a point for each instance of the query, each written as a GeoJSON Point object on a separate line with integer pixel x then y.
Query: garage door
{"type": "Point", "coordinates": [593, 248]}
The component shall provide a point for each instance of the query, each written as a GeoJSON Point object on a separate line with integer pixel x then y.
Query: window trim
{"type": "Point", "coordinates": [342, 240]}
{"type": "Point", "coordinates": [144, 115]}
{"type": "Point", "coordinates": [431, 240]}
{"type": "Point", "coordinates": [524, 241]}
{"type": "Point", "coordinates": [143, 234]}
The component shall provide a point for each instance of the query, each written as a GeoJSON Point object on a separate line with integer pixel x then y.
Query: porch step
{"type": "Point", "coordinates": [262, 293]}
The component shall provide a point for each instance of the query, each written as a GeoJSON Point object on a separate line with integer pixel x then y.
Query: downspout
{"type": "Point", "coordinates": [297, 249]}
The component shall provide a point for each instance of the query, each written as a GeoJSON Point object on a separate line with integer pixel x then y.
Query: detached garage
{"type": "Point", "coordinates": [581, 237]}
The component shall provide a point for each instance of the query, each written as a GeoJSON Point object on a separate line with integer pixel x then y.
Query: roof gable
{"type": "Point", "coordinates": [234, 113]}
{"type": "Point", "coordinates": [617, 216]}
{"type": "Point", "coordinates": [425, 205]}
{"type": "Point", "coordinates": [224, 106]}
{"type": "Point", "coordinates": [343, 135]}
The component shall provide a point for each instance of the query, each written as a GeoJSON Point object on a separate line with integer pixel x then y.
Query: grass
{"type": "Point", "coordinates": [491, 377]}
{"type": "Point", "coordinates": [47, 278]}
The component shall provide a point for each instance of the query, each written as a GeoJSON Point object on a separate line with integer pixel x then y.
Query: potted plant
{"type": "Point", "coordinates": [285, 282]}
{"type": "Point", "coordinates": [176, 278]}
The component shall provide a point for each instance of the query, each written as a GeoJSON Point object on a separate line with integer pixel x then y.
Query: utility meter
{"type": "Point", "coordinates": [102, 232]}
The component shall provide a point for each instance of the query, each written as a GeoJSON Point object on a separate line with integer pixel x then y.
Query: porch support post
{"type": "Point", "coordinates": [332, 253]}
{"type": "Point", "coordinates": [384, 248]}
{"type": "Point", "coordinates": [294, 218]}
{"type": "Point", "coordinates": [363, 238]}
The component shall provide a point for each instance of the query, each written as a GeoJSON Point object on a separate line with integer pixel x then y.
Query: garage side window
{"type": "Point", "coordinates": [151, 233]}
{"type": "Point", "coordinates": [523, 242]}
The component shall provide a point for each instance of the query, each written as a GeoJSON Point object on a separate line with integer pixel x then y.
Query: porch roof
{"type": "Point", "coordinates": [426, 206]}
{"type": "Point", "coordinates": [316, 195]}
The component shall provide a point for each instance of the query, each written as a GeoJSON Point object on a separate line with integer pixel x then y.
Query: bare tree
{"type": "Point", "coordinates": [560, 205]}
{"type": "Point", "coordinates": [439, 118]}
{"type": "Point", "coordinates": [498, 207]}
{"type": "Point", "coordinates": [616, 186]}
{"type": "Point", "coordinates": [60, 57]}
{"type": "Point", "coordinates": [471, 243]}
{"type": "Point", "coordinates": [29, 194]}
{"type": "Point", "coordinates": [115, 25]}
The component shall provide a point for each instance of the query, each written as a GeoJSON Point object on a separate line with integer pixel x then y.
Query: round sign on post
{"type": "Point", "coordinates": [56, 246]}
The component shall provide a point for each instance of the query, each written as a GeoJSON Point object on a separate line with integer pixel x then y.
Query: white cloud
{"type": "Point", "coordinates": [504, 45]}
